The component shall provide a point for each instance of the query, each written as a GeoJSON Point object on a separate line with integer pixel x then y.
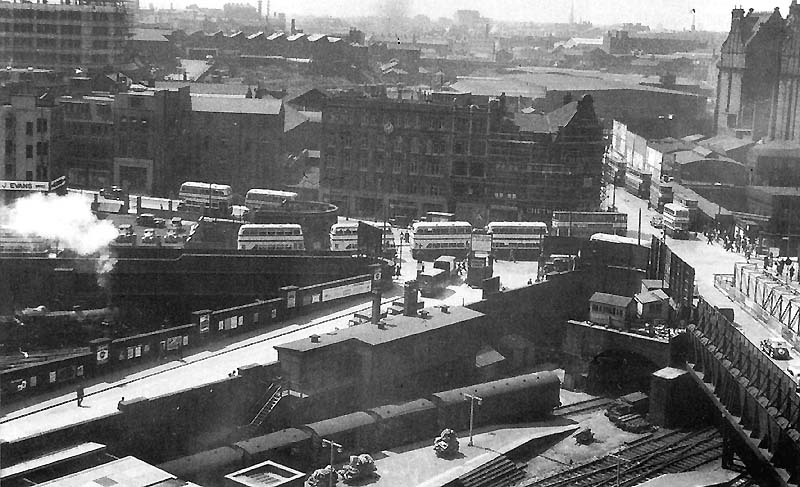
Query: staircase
{"type": "Point", "coordinates": [499, 472]}
{"type": "Point", "coordinates": [274, 393]}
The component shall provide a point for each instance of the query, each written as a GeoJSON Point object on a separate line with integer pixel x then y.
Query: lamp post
{"type": "Point", "coordinates": [332, 445]}
{"type": "Point", "coordinates": [472, 399]}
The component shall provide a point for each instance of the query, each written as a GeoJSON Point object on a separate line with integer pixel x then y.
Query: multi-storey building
{"type": "Point", "coordinates": [88, 158]}
{"type": "Point", "coordinates": [31, 128]}
{"type": "Point", "coordinates": [63, 34]}
{"type": "Point", "coordinates": [237, 141]}
{"type": "Point", "coordinates": [151, 143]}
{"type": "Point", "coordinates": [385, 157]}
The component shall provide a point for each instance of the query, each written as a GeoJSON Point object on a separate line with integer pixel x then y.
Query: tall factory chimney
{"type": "Point", "coordinates": [259, 9]}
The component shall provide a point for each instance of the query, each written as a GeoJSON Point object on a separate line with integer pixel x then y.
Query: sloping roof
{"type": "Point", "coordinates": [396, 328]}
{"type": "Point", "coordinates": [549, 123]}
{"type": "Point", "coordinates": [295, 37]}
{"type": "Point", "coordinates": [255, 36]}
{"type": "Point", "coordinates": [276, 35]}
{"type": "Point", "coordinates": [209, 88]}
{"type": "Point", "coordinates": [149, 35]}
{"type": "Point", "coordinates": [694, 138]}
{"type": "Point", "coordinates": [611, 299]}
{"type": "Point", "coordinates": [670, 144]}
{"type": "Point", "coordinates": [725, 143]}
{"type": "Point", "coordinates": [651, 296]}
{"type": "Point", "coordinates": [235, 104]}
{"type": "Point", "coordinates": [655, 284]}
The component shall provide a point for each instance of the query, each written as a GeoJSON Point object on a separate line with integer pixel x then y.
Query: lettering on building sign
{"type": "Point", "coordinates": [24, 185]}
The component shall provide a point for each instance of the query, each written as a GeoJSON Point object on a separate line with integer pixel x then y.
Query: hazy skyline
{"type": "Point", "coordinates": [671, 14]}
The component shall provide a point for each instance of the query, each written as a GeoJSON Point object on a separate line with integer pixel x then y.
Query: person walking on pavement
{"type": "Point", "coordinates": [79, 394]}
{"type": "Point", "coordinates": [791, 271]}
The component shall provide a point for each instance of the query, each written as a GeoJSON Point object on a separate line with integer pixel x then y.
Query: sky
{"type": "Point", "coordinates": [670, 14]}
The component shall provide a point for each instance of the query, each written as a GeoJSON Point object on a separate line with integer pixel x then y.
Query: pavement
{"type": "Point", "coordinates": [707, 261]}
{"type": "Point", "coordinates": [418, 465]}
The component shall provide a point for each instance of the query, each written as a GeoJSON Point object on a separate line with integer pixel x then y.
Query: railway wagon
{"type": "Point", "coordinates": [289, 446]}
{"type": "Point", "coordinates": [514, 399]}
{"type": "Point", "coordinates": [356, 431]}
{"type": "Point", "coordinates": [405, 423]}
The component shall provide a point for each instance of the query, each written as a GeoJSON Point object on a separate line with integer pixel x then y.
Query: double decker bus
{"type": "Point", "coordinates": [12, 242]}
{"type": "Point", "coordinates": [344, 237]}
{"type": "Point", "coordinates": [258, 198]}
{"type": "Point", "coordinates": [676, 220]}
{"type": "Point", "coordinates": [209, 198]}
{"type": "Point", "coordinates": [434, 239]}
{"type": "Point", "coordinates": [518, 240]}
{"type": "Point", "coordinates": [584, 224]}
{"type": "Point", "coordinates": [276, 236]}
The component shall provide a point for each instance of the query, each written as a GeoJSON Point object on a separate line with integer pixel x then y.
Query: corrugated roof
{"type": "Point", "coordinates": [397, 327]}
{"type": "Point", "coordinates": [275, 35]}
{"type": "Point", "coordinates": [611, 299]}
{"type": "Point", "coordinates": [235, 104]}
{"type": "Point", "coordinates": [295, 37]}
{"type": "Point", "coordinates": [651, 296]}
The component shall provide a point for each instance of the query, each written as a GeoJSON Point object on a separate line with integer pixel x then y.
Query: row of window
{"type": "Point", "coordinates": [407, 120]}
{"type": "Point", "coordinates": [42, 149]}
{"type": "Point", "coordinates": [410, 144]}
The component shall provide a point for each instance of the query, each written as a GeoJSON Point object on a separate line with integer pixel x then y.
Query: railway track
{"type": "Point", "coordinates": [641, 460]}
{"type": "Point", "coordinates": [582, 407]}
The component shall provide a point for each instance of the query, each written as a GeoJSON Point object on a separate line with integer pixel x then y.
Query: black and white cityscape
{"type": "Point", "coordinates": [390, 243]}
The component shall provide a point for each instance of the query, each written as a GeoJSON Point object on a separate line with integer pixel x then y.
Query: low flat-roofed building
{"type": "Point", "coordinates": [372, 364]}
{"type": "Point", "coordinates": [125, 472]}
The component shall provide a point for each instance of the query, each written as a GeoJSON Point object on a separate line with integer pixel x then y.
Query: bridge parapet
{"type": "Point", "coordinates": [586, 340]}
{"type": "Point", "coordinates": [758, 397]}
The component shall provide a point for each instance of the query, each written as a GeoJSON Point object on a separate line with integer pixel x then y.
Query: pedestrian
{"type": "Point", "coordinates": [79, 394]}
{"type": "Point", "coordinates": [747, 254]}
{"type": "Point", "coordinates": [709, 236]}
{"type": "Point", "coordinates": [766, 262]}
{"type": "Point", "coordinates": [791, 271]}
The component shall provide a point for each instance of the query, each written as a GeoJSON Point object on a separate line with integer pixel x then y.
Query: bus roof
{"type": "Point", "coordinates": [516, 224]}
{"type": "Point", "coordinates": [442, 224]}
{"type": "Point", "coordinates": [271, 225]}
{"type": "Point", "coordinates": [194, 184]}
{"type": "Point", "coordinates": [270, 192]}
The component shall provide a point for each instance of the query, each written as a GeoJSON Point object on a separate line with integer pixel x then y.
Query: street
{"type": "Point", "coordinates": [707, 260]}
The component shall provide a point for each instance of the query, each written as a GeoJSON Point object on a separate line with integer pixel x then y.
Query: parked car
{"type": "Point", "coordinates": [159, 223]}
{"type": "Point", "coordinates": [776, 349]}
{"type": "Point", "coordinates": [176, 223]}
{"type": "Point", "coordinates": [657, 221]}
{"type": "Point", "coordinates": [113, 193]}
{"type": "Point", "coordinates": [173, 237]}
{"type": "Point", "coordinates": [149, 236]}
{"type": "Point", "coordinates": [126, 234]}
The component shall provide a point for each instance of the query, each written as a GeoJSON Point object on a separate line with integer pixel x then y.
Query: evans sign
{"type": "Point", "coordinates": [24, 186]}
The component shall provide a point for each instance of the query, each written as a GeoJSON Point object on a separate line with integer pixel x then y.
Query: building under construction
{"type": "Point", "coordinates": [64, 34]}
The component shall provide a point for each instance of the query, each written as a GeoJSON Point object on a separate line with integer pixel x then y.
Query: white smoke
{"type": "Point", "coordinates": [66, 220]}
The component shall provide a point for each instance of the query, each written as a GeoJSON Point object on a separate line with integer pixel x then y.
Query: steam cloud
{"type": "Point", "coordinates": [67, 220]}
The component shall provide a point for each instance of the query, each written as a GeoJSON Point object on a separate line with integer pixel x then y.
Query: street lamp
{"type": "Point", "coordinates": [472, 399]}
{"type": "Point", "coordinates": [338, 447]}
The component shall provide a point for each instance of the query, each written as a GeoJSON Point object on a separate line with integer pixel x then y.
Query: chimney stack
{"type": "Point", "coordinates": [314, 338]}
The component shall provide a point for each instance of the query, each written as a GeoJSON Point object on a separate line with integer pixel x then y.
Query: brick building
{"type": "Point", "coordinates": [31, 130]}
{"type": "Point", "coordinates": [63, 34]}
{"type": "Point", "coordinates": [236, 140]}
{"type": "Point", "coordinates": [150, 146]}
{"type": "Point", "coordinates": [407, 157]}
